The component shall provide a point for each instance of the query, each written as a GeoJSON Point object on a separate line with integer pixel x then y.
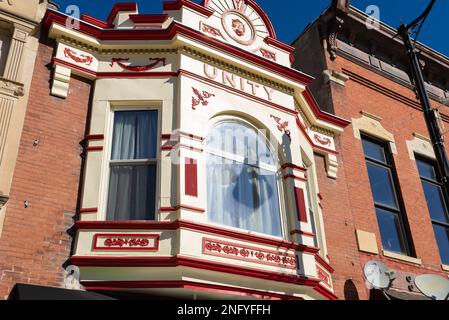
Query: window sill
{"type": "Point", "coordinates": [401, 257]}
{"type": "Point", "coordinates": [445, 267]}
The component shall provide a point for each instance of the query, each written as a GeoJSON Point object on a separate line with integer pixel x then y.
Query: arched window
{"type": "Point", "coordinates": [242, 179]}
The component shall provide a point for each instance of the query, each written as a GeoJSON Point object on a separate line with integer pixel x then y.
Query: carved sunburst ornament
{"type": "Point", "coordinates": [240, 21]}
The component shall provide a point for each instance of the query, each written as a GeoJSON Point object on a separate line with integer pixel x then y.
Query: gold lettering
{"type": "Point", "coordinates": [269, 92]}
{"type": "Point", "coordinates": [254, 86]}
{"type": "Point", "coordinates": [229, 78]}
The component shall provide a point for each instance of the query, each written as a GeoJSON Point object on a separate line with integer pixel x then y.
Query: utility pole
{"type": "Point", "coordinates": [429, 113]}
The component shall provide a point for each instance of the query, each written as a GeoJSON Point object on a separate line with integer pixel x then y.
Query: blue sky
{"type": "Point", "coordinates": [290, 17]}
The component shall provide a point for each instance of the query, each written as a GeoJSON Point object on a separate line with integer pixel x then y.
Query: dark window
{"type": "Point", "coordinates": [431, 181]}
{"type": "Point", "coordinates": [389, 209]}
{"type": "Point", "coordinates": [133, 166]}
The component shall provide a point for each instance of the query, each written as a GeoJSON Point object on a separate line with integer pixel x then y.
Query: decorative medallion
{"type": "Point", "coordinates": [78, 58]}
{"type": "Point", "coordinates": [239, 27]}
{"type": "Point", "coordinates": [239, 4]}
{"type": "Point", "coordinates": [211, 30]}
{"type": "Point", "coordinates": [282, 126]}
{"type": "Point", "coordinates": [126, 242]}
{"type": "Point", "coordinates": [153, 64]}
{"type": "Point", "coordinates": [201, 98]}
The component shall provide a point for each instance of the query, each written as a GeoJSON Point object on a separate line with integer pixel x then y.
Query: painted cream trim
{"type": "Point", "coordinates": [3, 201]}
{"type": "Point", "coordinates": [336, 77]}
{"type": "Point", "coordinates": [371, 124]}
{"type": "Point", "coordinates": [420, 145]}
{"type": "Point", "coordinates": [367, 242]}
{"type": "Point", "coordinates": [402, 257]}
{"type": "Point", "coordinates": [445, 267]}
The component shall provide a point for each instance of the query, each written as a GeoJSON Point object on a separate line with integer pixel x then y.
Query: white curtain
{"type": "Point", "coordinates": [132, 183]}
{"type": "Point", "coordinates": [240, 193]}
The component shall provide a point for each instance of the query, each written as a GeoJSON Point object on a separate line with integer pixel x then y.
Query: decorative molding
{"type": "Point", "coordinates": [324, 277]}
{"type": "Point", "coordinates": [370, 124]}
{"type": "Point", "coordinates": [143, 68]}
{"type": "Point", "coordinates": [191, 177]}
{"type": "Point", "coordinates": [11, 88]}
{"type": "Point", "coordinates": [78, 58]}
{"type": "Point", "coordinates": [14, 59]}
{"type": "Point", "coordinates": [61, 80]}
{"type": "Point", "coordinates": [420, 145]}
{"type": "Point", "coordinates": [268, 54]}
{"type": "Point", "coordinates": [126, 242]}
{"type": "Point", "coordinates": [6, 112]}
{"type": "Point", "coordinates": [201, 97]}
{"type": "Point", "coordinates": [282, 126]}
{"type": "Point", "coordinates": [300, 202]}
{"type": "Point", "coordinates": [211, 30]}
{"type": "Point", "coordinates": [234, 251]}
{"type": "Point", "coordinates": [323, 141]}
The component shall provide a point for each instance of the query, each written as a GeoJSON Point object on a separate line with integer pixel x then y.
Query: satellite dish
{"type": "Point", "coordinates": [378, 275]}
{"type": "Point", "coordinates": [433, 286]}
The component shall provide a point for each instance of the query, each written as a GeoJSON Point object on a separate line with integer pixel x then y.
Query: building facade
{"type": "Point", "coordinates": [388, 204]}
{"type": "Point", "coordinates": [182, 145]}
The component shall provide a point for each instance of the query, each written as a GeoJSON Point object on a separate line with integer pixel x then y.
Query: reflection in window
{"type": "Point", "coordinates": [132, 181]}
{"type": "Point", "coordinates": [388, 210]}
{"type": "Point", "coordinates": [433, 189]}
{"type": "Point", "coordinates": [242, 180]}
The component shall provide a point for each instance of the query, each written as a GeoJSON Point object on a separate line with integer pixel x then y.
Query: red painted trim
{"type": "Point", "coordinates": [96, 22]}
{"type": "Point", "coordinates": [325, 292]}
{"type": "Point", "coordinates": [293, 166]}
{"type": "Point", "coordinates": [93, 149]}
{"type": "Point", "coordinates": [255, 260]}
{"type": "Point", "coordinates": [301, 205]}
{"type": "Point", "coordinates": [88, 261]}
{"type": "Point", "coordinates": [180, 284]}
{"type": "Point", "coordinates": [127, 225]}
{"type": "Point", "coordinates": [156, 238]}
{"type": "Point", "coordinates": [183, 146]}
{"type": "Point", "coordinates": [182, 224]}
{"type": "Point", "coordinates": [94, 137]}
{"type": "Point", "coordinates": [175, 134]}
{"type": "Point", "coordinates": [169, 33]}
{"type": "Point", "coordinates": [292, 176]}
{"type": "Point", "coordinates": [178, 4]}
{"type": "Point", "coordinates": [99, 75]}
{"type": "Point", "coordinates": [280, 45]}
{"type": "Point", "coordinates": [184, 207]}
{"type": "Point", "coordinates": [303, 233]}
{"type": "Point", "coordinates": [323, 115]}
{"type": "Point", "coordinates": [323, 263]}
{"type": "Point", "coordinates": [88, 210]}
{"type": "Point", "coordinates": [121, 7]}
{"type": "Point", "coordinates": [191, 177]}
{"type": "Point", "coordinates": [148, 18]}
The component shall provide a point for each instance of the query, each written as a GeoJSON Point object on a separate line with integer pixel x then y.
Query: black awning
{"type": "Point", "coordinates": [32, 292]}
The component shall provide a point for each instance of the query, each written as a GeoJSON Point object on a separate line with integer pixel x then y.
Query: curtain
{"type": "Point", "coordinates": [132, 186]}
{"type": "Point", "coordinates": [240, 193]}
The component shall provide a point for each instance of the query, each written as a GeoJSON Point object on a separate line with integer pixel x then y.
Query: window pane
{"type": "Point", "coordinates": [442, 236]}
{"type": "Point", "coordinates": [243, 196]}
{"type": "Point", "coordinates": [374, 151]}
{"type": "Point", "coordinates": [390, 231]}
{"type": "Point", "coordinates": [382, 186]}
{"type": "Point", "coordinates": [132, 193]}
{"type": "Point", "coordinates": [435, 202]}
{"type": "Point", "coordinates": [426, 170]}
{"type": "Point", "coordinates": [135, 135]}
{"type": "Point", "coordinates": [242, 141]}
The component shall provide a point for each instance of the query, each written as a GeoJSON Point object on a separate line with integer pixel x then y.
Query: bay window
{"type": "Point", "coordinates": [133, 166]}
{"type": "Point", "coordinates": [242, 179]}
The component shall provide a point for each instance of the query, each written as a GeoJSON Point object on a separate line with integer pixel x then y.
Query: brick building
{"type": "Point", "coordinates": [377, 208]}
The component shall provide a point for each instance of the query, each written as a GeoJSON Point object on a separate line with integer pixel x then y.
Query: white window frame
{"type": "Point", "coordinates": [107, 153]}
{"type": "Point", "coordinates": [277, 170]}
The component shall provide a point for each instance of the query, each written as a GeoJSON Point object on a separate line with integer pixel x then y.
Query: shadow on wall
{"type": "Point", "coordinates": [350, 291]}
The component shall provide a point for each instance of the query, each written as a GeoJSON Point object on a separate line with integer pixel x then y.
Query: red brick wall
{"type": "Point", "coordinates": [35, 243]}
{"type": "Point", "coordinates": [348, 203]}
